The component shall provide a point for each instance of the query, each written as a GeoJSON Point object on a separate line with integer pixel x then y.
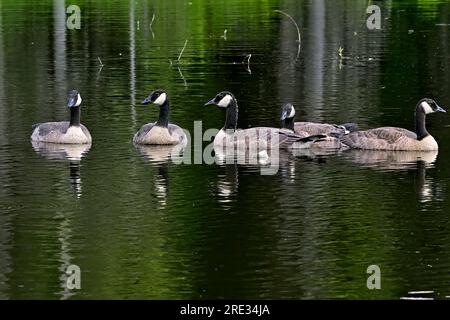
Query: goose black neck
{"type": "Point", "coordinates": [421, 130]}
{"type": "Point", "coordinates": [163, 120]}
{"type": "Point", "coordinates": [75, 116]}
{"type": "Point", "coordinates": [232, 116]}
{"type": "Point", "coordinates": [288, 123]}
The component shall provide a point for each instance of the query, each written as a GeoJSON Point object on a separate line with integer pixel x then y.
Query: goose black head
{"type": "Point", "coordinates": [73, 99]}
{"type": "Point", "coordinates": [158, 97]}
{"type": "Point", "coordinates": [222, 100]}
{"type": "Point", "coordinates": [287, 111]}
{"type": "Point", "coordinates": [428, 105]}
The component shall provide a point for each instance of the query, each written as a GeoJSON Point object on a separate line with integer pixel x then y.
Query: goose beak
{"type": "Point", "coordinates": [284, 115]}
{"type": "Point", "coordinates": [210, 102]}
{"type": "Point", "coordinates": [147, 100]}
{"type": "Point", "coordinates": [439, 109]}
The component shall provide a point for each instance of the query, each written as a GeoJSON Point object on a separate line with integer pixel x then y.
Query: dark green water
{"type": "Point", "coordinates": [144, 229]}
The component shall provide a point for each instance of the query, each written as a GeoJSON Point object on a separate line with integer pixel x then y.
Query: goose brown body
{"type": "Point", "coordinates": [398, 139]}
{"type": "Point", "coordinates": [253, 139]}
{"type": "Point", "coordinates": [331, 132]}
{"type": "Point", "coordinates": [151, 133]}
{"type": "Point", "coordinates": [61, 132]}
{"type": "Point", "coordinates": [389, 138]}
{"type": "Point", "coordinates": [64, 132]}
{"type": "Point", "coordinates": [160, 132]}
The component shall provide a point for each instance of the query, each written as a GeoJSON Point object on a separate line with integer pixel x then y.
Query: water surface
{"type": "Point", "coordinates": [143, 227]}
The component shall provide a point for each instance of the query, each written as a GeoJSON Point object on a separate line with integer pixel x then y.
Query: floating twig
{"type": "Point", "coordinates": [151, 22]}
{"type": "Point", "coordinates": [224, 36]}
{"type": "Point", "coordinates": [341, 56]}
{"type": "Point", "coordinates": [100, 66]}
{"type": "Point", "coordinates": [182, 77]}
{"type": "Point", "coordinates": [299, 40]}
{"type": "Point", "coordinates": [248, 62]}
{"type": "Point", "coordinates": [341, 50]}
{"type": "Point", "coordinates": [182, 50]}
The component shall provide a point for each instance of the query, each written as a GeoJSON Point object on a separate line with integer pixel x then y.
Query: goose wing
{"type": "Point", "coordinates": [403, 132]}
{"type": "Point", "coordinates": [140, 135]}
{"type": "Point", "coordinates": [272, 137]}
{"type": "Point", "coordinates": [312, 128]}
{"type": "Point", "coordinates": [262, 136]}
{"type": "Point", "coordinates": [51, 128]}
{"type": "Point", "coordinates": [58, 132]}
{"type": "Point", "coordinates": [380, 138]}
{"type": "Point", "coordinates": [177, 132]}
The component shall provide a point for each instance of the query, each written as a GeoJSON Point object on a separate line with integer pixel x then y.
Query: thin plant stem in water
{"type": "Point", "coordinates": [224, 36]}
{"type": "Point", "coordinates": [182, 50]}
{"type": "Point", "coordinates": [341, 50]}
{"type": "Point", "coordinates": [101, 66]}
{"type": "Point", "coordinates": [151, 23]}
{"type": "Point", "coordinates": [341, 56]}
{"type": "Point", "coordinates": [247, 57]}
{"type": "Point", "coordinates": [182, 77]}
{"type": "Point", "coordinates": [299, 40]}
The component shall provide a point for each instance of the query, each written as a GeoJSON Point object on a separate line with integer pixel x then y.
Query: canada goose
{"type": "Point", "coordinates": [64, 132]}
{"type": "Point", "coordinates": [332, 131]}
{"type": "Point", "coordinates": [258, 138]}
{"type": "Point", "coordinates": [161, 132]}
{"type": "Point", "coordinates": [391, 138]}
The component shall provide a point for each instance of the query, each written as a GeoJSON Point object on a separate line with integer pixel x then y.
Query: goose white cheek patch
{"type": "Point", "coordinates": [292, 113]}
{"type": "Point", "coordinates": [78, 100]}
{"type": "Point", "coordinates": [427, 108]}
{"type": "Point", "coordinates": [225, 101]}
{"type": "Point", "coordinates": [161, 99]}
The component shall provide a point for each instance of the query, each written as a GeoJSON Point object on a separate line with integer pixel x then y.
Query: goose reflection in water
{"type": "Point", "coordinates": [266, 161]}
{"type": "Point", "coordinates": [315, 153]}
{"type": "Point", "coordinates": [227, 186]}
{"type": "Point", "coordinates": [419, 161]}
{"type": "Point", "coordinates": [391, 160]}
{"type": "Point", "coordinates": [70, 152]}
{"type": "Point", "coordinates": [161, 184]}
{"type": "Point", "coordinates": [160, 155]}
